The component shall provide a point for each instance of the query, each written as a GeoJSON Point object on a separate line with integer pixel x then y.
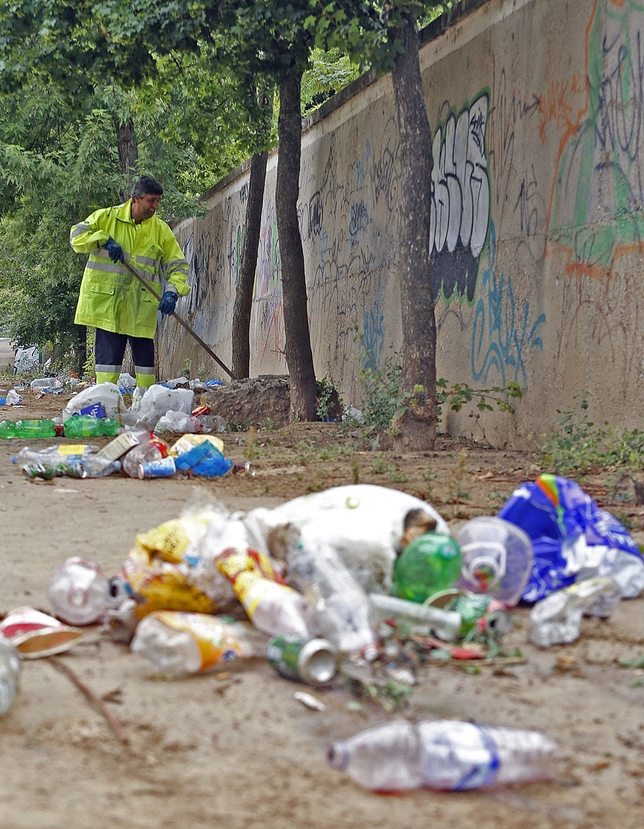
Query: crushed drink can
{"type": "Point", "coordinates": [164, 468]}
{"type": "Point", "coordinates": [313, 661]}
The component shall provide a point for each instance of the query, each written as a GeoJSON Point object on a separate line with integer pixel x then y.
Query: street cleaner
{"type": "Point", "coordinates": [111, 299]}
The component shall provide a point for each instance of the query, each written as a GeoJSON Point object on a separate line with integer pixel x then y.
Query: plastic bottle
{"type": "Point", "coordinates": [272, 607]}
{"type": "Point", "coordinates": [344, 613]}
{"type": "Point", "coordinates": [445, 624]}
{"type": "Point", "coordinates": [7, 429]}
{"type": "Point", "coordinates": [88, 426]}
{"type": "Point", "coordinates": [497, 558]}
{"type": "Point", "coordinates": [9, 670]}
{"type": "Point", "coordinates": [432, 562]}
{"type": "Point", "coordinates": [78, 592]}
{"type": "Point", "coordinates": [35, 429]}
{"type": "Point", "coordinates": [443, 755]}
{"type": "Point", "coordinates": [556, 619]}
{"type": "Point", "coordinates": [188, 643]}
{"type": "Point", "coordinates": [52, 454]}
{"type": "Point", "coordinates": [152, 450]}
{"type": "Point", "coordinates": [46, 383]}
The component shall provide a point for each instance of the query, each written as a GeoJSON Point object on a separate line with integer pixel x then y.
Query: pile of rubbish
{"type": "Point", "coordinates": [138, 449]}
{"type": "Point", "coordinates": [360, 585]}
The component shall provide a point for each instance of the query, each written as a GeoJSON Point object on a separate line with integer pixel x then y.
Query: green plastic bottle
{"type": "Point", "coordinates": [88, 426]}
{"type": "Point", "coordinates": [430, 563]}
{"type": "Point", "coordinates": [7, 429]}
{"type": "Point", "coordinates": [35, 429]}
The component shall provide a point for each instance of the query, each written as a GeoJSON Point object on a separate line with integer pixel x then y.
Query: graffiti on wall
{"type": "Point", "coordinates": [504, 329]}
{"type": "Point", "coordinates": [598, 195]}
{"type": "Point", "coordinates": [460, 208]}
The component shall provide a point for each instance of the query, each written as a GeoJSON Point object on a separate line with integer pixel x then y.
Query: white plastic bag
{"type": "Point", "coordinates": [108, 394]}
{"type": "Point", "coordinates": [363, 523]}
{"type": "Point", "coordinates": [156, 402]}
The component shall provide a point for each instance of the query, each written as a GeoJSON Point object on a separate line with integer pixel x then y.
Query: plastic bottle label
{"type": "Point", "coordinates": [251, 589]}
{"type": "Point", "coordinates": [215, 642]}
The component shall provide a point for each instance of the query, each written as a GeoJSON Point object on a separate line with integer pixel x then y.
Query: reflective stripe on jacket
{"type": "Point", "coordinates": [110, 297]}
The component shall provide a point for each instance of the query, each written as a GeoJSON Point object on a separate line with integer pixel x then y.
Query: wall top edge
{"type": "Point", "coordinates": [433, 31]}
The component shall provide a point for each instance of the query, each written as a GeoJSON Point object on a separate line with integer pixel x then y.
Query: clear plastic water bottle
{"type": "Point", "coordinates": [345, 615]}
{"type": "Point", "coordinates": [429, 564]}
{"type": "Point", "coordinates": [497, 558]}
{"type": "Point", "coordinates": [9, 671]}
{"type": "Point", "coordinates": [443, 755]}
{"type": "Point", "coordinates": [78, 592]}
{"type": "Point", "coordinates": [556, 619]}
{"type": "Point", "coordinates": [152, 450]}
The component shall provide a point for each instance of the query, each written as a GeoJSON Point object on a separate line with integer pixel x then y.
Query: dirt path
{"type": "Point", "coordinates": [234, 748]}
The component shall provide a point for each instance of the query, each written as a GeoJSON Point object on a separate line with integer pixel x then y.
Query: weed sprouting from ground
{"type": "Point", "coordinates": [384, 399]}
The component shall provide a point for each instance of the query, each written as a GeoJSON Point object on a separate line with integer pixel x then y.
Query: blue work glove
{"type": "Point", "coordinates": [168, 302]}
{"type": "Point", "coordinates": [114, 250]}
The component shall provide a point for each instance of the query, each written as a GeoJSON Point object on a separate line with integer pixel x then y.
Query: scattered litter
{"type": "Point", "coordinates": [313, 661]}
{"type": "Point", "coordinates": [13, 398]}
{"type": "Point", "coordinates": [573, 539]}
{"type": "Point", "coordinates": [35, 634]}
{"type": "Point", "coordinates": [9, 672]}
{"type": "Point", "coordinates": [556, 619]}
{"type": "Point", "coordinates": [309, 700]}
{"type": "Point", "coordinates": [178, 643]}
{"type": "Point", "coordinates": [455, 756]}
{"type": "Point", "coordinates": [78, 592]}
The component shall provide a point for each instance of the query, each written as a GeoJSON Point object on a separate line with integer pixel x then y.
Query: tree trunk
{"type": "Point", "coordinates": [299, 356]}
{"type": "Point", "coordinates": [247, 267]}
{"type": "Point", "coordinates": [128, 153]}
{"type": "Point", "coordinates": [417, 422]}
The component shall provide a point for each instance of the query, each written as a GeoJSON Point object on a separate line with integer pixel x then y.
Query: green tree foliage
{"type": "Point", "coordinates": [58, 121]}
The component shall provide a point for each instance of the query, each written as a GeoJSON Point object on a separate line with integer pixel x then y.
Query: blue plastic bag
{"type": "Point", "coordinates": [572, 538]}
{"type": "Point", "coordinates": [204, 460]}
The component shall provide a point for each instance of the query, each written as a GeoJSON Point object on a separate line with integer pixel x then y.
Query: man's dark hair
{"type": "Point", "coordinates": [146, 186]}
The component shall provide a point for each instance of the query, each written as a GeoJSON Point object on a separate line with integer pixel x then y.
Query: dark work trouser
{"type": "Point", "coordinates": [109, 351]}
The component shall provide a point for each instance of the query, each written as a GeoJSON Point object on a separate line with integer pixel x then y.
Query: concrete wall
{"type": "Point", "coordinates": [537, 111]}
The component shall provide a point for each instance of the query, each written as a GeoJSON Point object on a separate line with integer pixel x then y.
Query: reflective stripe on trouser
{"type": "Point", "coordinates": [109, 350]}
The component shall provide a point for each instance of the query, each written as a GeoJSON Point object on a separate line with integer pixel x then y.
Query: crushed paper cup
{"type": "Point", "coordinates": [35, 634]}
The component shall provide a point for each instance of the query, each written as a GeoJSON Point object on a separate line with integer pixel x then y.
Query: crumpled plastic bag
{"type": "Point", "coordinates": [572, 537]}
{"type": "Point", "coordinates": [362, 522]}
{"type": "Point", "coordinates": [147, 410]}
{"type": "Point", "coordinates": [204, 460]}
{"type": "Point", "coordinates": [164, 570]}
{"type": "Point", "coordinates": [107, 394]}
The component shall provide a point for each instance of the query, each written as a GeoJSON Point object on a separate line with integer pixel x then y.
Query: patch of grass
{"type": "Point", "coordinates": [579, 445]}
{"type": "Point", "coordinates": [380, 466]}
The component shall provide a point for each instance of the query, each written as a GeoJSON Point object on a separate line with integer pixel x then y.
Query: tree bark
{"type": "Point", "coordinates": [416, 424]}
{"type": "Point", "coordinates": [244, 293]}
{"type": "Point", "coordinates": [128, 150]}
{"type": "Point", "coordinates": [299, 356]}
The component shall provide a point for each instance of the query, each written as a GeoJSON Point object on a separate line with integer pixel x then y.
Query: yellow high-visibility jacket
{"type": "Point", "coordinates": [110, 297]}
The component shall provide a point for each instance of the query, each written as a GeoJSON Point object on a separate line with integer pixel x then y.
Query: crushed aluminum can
{"type": "Point", "coordinates": [313, 661]}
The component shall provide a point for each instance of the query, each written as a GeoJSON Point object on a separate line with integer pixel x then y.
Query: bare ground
{"type": "Point", "coordinates": [234, 748]}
